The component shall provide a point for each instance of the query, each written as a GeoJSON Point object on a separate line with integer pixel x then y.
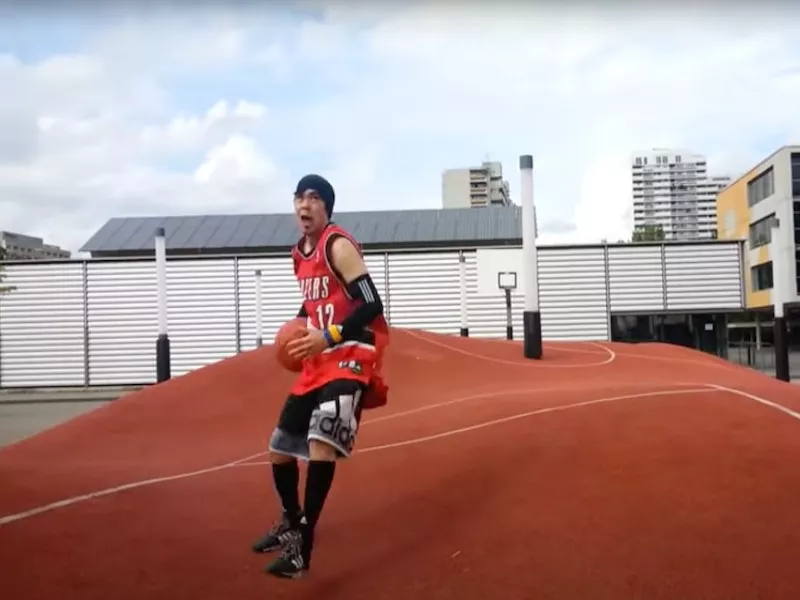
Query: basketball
{"type": "Point", "coordinates": [288, 331]}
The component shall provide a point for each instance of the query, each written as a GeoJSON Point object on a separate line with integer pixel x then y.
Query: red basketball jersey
{"type": "Point", "coordinates": [327, 302]}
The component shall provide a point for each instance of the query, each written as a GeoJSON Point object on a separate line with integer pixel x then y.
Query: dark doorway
{"type": "Point", "coordinates": [704, 331]}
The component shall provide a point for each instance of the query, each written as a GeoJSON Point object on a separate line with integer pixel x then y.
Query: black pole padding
{"type": "Point", "coordinates": [509, 317]}
{"type": "Point", "coordinates": [464, 331]}
{"type": "Point", "coordinates": [781, 350]}
{"type": "Point", "coordinates": [532, 334]}
{"type": "Point", "coordinates": [163, 368]}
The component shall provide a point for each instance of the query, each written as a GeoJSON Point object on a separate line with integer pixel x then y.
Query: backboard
{"type": "Point", "coordinates": [507, 280]}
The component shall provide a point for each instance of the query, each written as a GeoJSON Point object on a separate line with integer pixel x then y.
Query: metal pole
{"type": "Point", "coordinates": [259, 332]}
{"type": "Point", "coordinates": [462, 276]}
{"type": "Point", "coordinates": [509, 318]}
{"type": "Point", "coordinates": [778, 300]}
{"type": "Point", "coordinates": [531, 318]}
{"type": "Point", "coordinates": [163, 367]}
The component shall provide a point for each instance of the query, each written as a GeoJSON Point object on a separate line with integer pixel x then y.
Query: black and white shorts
{"type": "Point", "coordinates": [330, 414]}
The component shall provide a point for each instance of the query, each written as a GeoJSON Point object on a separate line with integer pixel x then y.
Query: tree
{"type": "Point", "coordinates": [648, 233]}
{"type": "Point", "coordinates": [4, 289]}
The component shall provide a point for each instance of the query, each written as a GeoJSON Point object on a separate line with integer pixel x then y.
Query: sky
{"type": "Point", "coordinates": [178, 108]}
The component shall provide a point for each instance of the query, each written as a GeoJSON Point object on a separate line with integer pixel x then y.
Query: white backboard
{"type": "Point", "coordinates": [491, 262]}
{"type": "Point", "coordinates": [507, 280]}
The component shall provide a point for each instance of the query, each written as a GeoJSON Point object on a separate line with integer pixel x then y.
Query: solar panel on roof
{"type": "Point", "coordinates": [216, 232]}
{"type": "Point", "coordinates": [181, 235]}
{"type": "Point", "coordinates": [125, 234]}
{"type": "Point", "coordinates": [224, 233]}
{"type": "Point", "coordinates": [105, 233]}
{"type": "Point", "coordinates": [205, 229]}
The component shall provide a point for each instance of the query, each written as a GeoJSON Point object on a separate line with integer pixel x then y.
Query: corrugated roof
{"type": "Point", "coordinates": [375, 228]}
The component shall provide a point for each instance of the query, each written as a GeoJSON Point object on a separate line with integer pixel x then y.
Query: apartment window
{"type": "Point", "coordinates": [761, 231]}
{"type": "Point", "coordinates": [678, 159]}
{"type": "Point", "coordinates": [761, 276]}
{"type": "Point", "coordinates": [796, 174]}
{"type": "Point", "coordinates": [761, 187]}
{"type": "Point", "coordinates": [796, 205]}
{"type": "Point", "coordinates": [797, 267]}
{"type": "Point", "coordinates": [639, 160]}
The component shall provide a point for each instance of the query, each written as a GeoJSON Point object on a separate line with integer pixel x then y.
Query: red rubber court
{"type": "Point", "coordinates": [604, 471]}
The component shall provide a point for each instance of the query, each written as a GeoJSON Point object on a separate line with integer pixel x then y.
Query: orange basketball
{"type": "Point", "coordinates": [288, 331]}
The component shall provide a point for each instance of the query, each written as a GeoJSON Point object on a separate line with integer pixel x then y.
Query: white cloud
{"type": "Point", "coordinates": [238, 159]}
{"type": "Point", "coordinates": [192, 132]}
{"type": "Point", "coordinates": [188, 113]}
{"type": "Point", "coordinates": [81, 155]}
{"type": "Point", "coordinates": [579, 91]}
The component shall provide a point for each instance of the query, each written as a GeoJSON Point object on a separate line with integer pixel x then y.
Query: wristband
{"type": "Point", "coordinates": [333, 334]}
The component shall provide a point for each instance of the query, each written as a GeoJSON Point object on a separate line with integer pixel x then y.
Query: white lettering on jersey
{"type": "Point", "coordinates": [315, 288]}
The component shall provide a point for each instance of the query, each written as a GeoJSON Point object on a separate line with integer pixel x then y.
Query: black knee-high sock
{"type": "Point", "coordinates": [286, 476]}
{"type": "Point", "coordinates": [318, 483]}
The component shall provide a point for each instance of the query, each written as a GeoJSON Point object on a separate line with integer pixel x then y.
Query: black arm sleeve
{"type": "Point", "coordinates": [362, 288]}
{"type": "Point", "coordinates": [302, 314]}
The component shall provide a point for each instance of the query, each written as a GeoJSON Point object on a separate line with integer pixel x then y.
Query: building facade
{"type": "Point", "coordinates": [747, 208]}
{"type": "Point", "coordinates": [475, 187]}
{"type": "Point", "coordinates": [18, 246]}
{"type": "Point", "coordinates": [672, 189]}
{"type": "Point", "coordinates": [93, 322]}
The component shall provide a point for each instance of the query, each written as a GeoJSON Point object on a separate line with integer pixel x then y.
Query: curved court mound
{"type": "Point", "coordinates": [601, 471]}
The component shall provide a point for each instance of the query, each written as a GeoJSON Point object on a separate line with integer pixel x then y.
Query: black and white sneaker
{"type": "Point", "coordinates": [275, 537]}
{"type": "Point", "coordinates": [292, 562]}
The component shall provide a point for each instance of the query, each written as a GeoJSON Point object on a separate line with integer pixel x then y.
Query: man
{"type": "Point", "coordinates": [342, 352]}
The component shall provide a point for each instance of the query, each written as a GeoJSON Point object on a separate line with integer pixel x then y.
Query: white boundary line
{"type": "Point", "coordinates": [598, 344]}
{"type": "Point", "coordinates": [519, 363]}
{"type": "Point", "coordinates": [136, 484]}
{"type": "Point", "coordinates": [120, 488]}
{"type": "Point", "coordinates": [708, 387]}
{"type": "Point", "coordinates": [524, 415]}
{"type": "Point", "coordinates": [759, 399]}
{"type": "Point", "coordinates": [494, 394]}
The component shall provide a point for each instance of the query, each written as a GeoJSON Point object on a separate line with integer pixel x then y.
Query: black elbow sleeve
{"type": "Point", "coordinates": [362, 288]}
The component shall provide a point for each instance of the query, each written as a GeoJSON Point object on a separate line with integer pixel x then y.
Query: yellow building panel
{"type": "Point", "coordinates": [733, 222]}
{"type": "Point", "coordinates": [763, 255]}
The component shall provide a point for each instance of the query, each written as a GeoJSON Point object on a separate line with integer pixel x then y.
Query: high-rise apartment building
{"type": "Point", "coordinates": [475, 186]}
{"type": "Point", "coordinates": [672, 189]}
{"type": "Point", "coordinates": [18, 246]}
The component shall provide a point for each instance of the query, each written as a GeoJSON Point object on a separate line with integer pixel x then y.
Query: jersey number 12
{"type": "Point", "coordinates": [325, 315]}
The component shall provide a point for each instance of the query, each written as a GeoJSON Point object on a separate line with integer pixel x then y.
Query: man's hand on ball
{"type": "Point", "coordinates": [310, 344]}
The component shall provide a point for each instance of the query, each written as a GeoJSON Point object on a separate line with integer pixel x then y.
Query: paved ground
{"type": "Point", "coordinates": [27, 412]}
{"type": "Point", "coordinates": [667, 475]}
{"type": "Point", "coordinates": [18, 421]}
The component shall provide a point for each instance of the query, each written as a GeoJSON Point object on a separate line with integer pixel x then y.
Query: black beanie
{"type": "Point", "coordinates": [320, 185]}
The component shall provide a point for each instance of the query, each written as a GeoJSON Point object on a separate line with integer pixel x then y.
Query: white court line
{"type": "Point", "coordinates": [242, 462]}
{"type": "Point", "coordinates": [493, 394]}
{"type": "Point", "coordinates": [518, 363]}
{"type": "Point", "coordinates": [668, 359]}
{"type": "Point", "coordinates": [710, 387]}
{"type": "Point", "coordinates": [524, 415]}
{"type": "Point", "coordinates": [120, 488]}
{"type": "Point", "coordinates": [759, 399]}
{"type": "Point", "coordinates": [554, 346]}
{"type": "Point", "coordinates": [606, 350]}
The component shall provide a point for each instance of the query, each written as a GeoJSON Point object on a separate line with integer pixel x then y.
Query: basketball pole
{"type": "Point", "coordinates": [462, 278]}
{"type": "Point", "coordinates": [531, 318]}
{"type": "Point", "coordinates": [259, 322]}
{"type": "Point", "coordinates": [163, 367]}
{"type": "Point", "coordinates": [778, 301]}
